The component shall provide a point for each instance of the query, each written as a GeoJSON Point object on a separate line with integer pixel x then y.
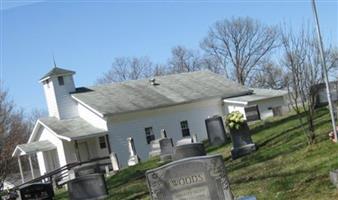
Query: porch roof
{"type": "Point", "coordinates": [257, 95]}
{"type": "Point", "coordinates": [33, 147]}
{"type": "Point", "coordinates": [71, 129]}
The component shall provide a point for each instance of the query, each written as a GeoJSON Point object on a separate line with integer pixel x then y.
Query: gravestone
{"type": "Point", "coordinates": [195, 178]}
{"type": "Point", "coordinates": [163, 133]}
{"type": "Point", "coordinates": [183, 141]}
{"type": "Point", "coordinates": [92, 186]}
{"type": "Point", "coordinates": [252, 113]}
{"type": "Point", "coordinates": [35, 191]}
{"type": "Point", "coordinates": [189, 150]}
{"type": "Point", "coordinates": [241, 141]}
{"type": "Point", "coordinates": [155, 149]}
{"type": "Point", "coordinates": [215, 130]}
{"type": "Point", "coordinates": [114, 161]}
{"type": "Point", "coordinates": [334, 177]}
{"type": "Point", "coordinates": [194, 138]}
{"type": "Point", "coordinates": [85, 169]}
{"type": "Point", "coordinates": [167, 149]}
{"type": "Point", "coordinates": [133, 157]}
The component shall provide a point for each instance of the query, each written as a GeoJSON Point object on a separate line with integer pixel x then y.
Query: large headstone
{"type": "Point", "coordinates": [114, 161]}
{"type": "Point", "coordinates": [241, 141]}
{"type": "Point", "coordinates": [167, 149]}
{"type": "Point", "coordinates": [35, 191]}
{"type": "Point", "coordinates": [91, 186]}
{"type": "Point", "coordinates": [189, 150]}
{"type": "Point", "coordinates": [196, 178]}
{"type": "Point", "coordinates": [133, 157]}
{"type": "Point", "coordinates": [215, 130]}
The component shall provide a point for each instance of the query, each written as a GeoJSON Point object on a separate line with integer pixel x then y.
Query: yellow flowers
{"type": "Point", "coordinates": [234, 120]}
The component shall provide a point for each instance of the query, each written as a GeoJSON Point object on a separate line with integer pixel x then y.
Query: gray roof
{"type": "Point", "coordinates": [170, 90]}
{"type": "Point", "coordinates": [258, 94]}
{"type": "Point", "coordinates": [34, 147]}
{"type": "Point", "coordinates": [71, 129]}
{"type": "Point", "coordinates": [56, 71]}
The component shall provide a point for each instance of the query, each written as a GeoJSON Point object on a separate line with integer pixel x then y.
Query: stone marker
{"type": "Point", "coordinates": [186, 140]}
{"type": "Point", "coordinates": [167, 149]}
{"type": "Point", "coordinates": [194, 138]}
{"type": "Point", "coordinates": [133, 157]}
{"type": "Point", "coordinates": [189, 150]}
{"type": "Point", "coordinates": [163, 133]}
{"type": "Point", "coordinates": [155, 149]}
{"type": "Point", "coordinates": [114, 161]}
{"type": "Point", "coordinates": [334, 177]}
{"type": "Point", "coordinates": [196, 178]}
{"type": "Point", "coordinates": [215, 130]}
{"type": "Point", "coordinates": [241, 141]}
{"type": "Point", "coordinates": [92, 186]}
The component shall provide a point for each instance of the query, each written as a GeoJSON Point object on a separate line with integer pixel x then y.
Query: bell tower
{"type": "Point", "coordinates": [58, 84]}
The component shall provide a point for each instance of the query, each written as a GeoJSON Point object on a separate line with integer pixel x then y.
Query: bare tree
{"type": "Point", "coordinates": [13, 131]}
{"type": "Point", "coordinates": [270, 76]}
{"type": "Point", "coordinates": [125, 68]}
{"type": "Point", "coordinates": [184, 60]}
{"type": "Point", "coordinates": [302, 59]}
{"type": "Point", "coordinates": [240, 43]}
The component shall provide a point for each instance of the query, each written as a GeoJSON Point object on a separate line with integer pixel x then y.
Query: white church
{"type": "Point", "coordinates": [91, 122]}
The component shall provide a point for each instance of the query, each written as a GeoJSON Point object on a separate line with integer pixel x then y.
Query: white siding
{"type": "Point", "coordinates": [50, 99]}
{"type": "Point", "coordinates": [47, 135]}
{"type": "Point", "coordinates": [91, 117]}
{"type": "Point", "coordinates": [132, 125]}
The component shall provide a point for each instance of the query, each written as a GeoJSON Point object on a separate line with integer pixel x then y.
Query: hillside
{"type": "Point", "coordinates": [284, 167]}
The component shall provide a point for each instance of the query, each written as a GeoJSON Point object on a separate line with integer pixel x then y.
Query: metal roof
{"type": "Point", "coordinates": [33, 147]}
{"type": "Point", "coordinates": [71, 129]}
{"type": "Point", "coordinates": [56, 71]}
{"type": "Point", "coordinates": [168, 90]}
{"type": "Point", "coordinates": [257, 95]}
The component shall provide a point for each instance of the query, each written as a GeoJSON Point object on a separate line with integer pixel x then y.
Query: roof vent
{"type": "Point", "coordinates": [153, 81]}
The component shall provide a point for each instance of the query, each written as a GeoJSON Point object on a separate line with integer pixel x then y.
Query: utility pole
{"type": "Point", "coordinates": [326, 78]}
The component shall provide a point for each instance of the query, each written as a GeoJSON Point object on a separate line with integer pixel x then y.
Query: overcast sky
{"type": "Point", "coordinates": [85, 36]}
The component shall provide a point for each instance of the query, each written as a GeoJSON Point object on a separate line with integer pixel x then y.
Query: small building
{"type": "Point", "coordinates": [269, 102]}
{"type": "Point", "coordinates": [91, 122]}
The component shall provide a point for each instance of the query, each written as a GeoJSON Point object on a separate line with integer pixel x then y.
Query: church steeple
{"type": "Point", "coordinates": [58, 83]}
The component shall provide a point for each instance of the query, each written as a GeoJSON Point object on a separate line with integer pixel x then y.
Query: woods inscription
{"type": "Point", "coordinates": [197, 178]}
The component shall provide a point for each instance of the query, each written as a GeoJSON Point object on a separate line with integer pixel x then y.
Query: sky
{"type": "Point", "coordinates": [85, 36]}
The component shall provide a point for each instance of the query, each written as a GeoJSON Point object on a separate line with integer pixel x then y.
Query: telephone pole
{"type": "Point", "coordinates": [326, 78]}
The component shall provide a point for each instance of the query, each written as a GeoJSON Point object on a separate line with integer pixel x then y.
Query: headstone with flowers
{"type": "Point", "coordinates": [240, 135]}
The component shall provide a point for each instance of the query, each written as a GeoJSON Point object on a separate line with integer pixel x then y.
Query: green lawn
{"type": "Point", "coordinates": [284, 167]}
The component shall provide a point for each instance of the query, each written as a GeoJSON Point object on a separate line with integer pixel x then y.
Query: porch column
{"type": "Point", "coordinates": [31, 166]}
{"type": "Point", "coordinates": [77, 151]}
{"type": "Point", "coordinates": [20, 168]}
{"type": "Point", "coordinates": [108, 143]}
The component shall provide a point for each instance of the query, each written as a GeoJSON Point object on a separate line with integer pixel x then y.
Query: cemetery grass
{"type": "Point", "coordinates": [283, 167]}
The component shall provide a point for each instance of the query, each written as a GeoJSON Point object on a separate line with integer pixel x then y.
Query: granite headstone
{"type": "Point", "coordinates": [241, 141]}
{"type": "Point", "coordinates": [167, 149]}
{"type": "Point", "coordinates": [215, 130]}
{"type": "Point", "coordinates": [133, 157]}
{"type": "Point", "coordinates": [196, 178]}
{"type": "Point", "coordinates": [189, 150]}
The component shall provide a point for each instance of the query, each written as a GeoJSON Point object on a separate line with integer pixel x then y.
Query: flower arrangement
{"type": "Point", "coordinates": [234, 120]}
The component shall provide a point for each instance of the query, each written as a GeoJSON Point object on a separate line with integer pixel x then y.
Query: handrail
{"type": "Point", "coordinates": [60, 171]}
